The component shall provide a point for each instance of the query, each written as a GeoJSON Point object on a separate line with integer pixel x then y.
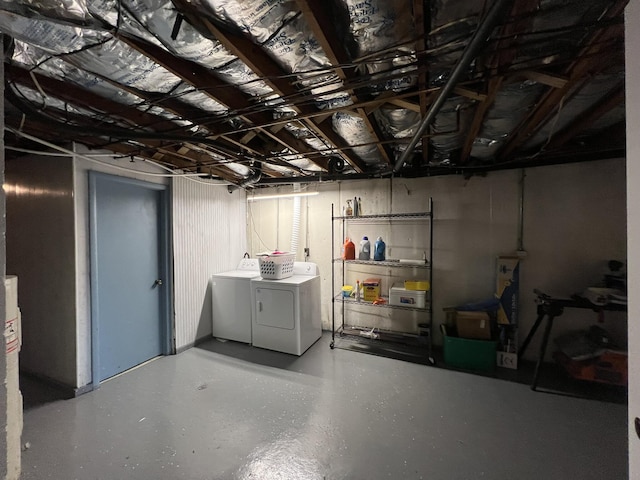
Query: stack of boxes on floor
{"type": "Point", "coordinates": [483, 335]}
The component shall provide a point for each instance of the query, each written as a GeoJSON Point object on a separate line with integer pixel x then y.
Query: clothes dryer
{"type": "Point", "coordinates": [286, 313]}
{"type": "Point", "coordinates": [231, 301]}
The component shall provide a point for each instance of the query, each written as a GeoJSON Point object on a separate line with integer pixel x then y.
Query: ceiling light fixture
{"type": "Point", "coordinates": [281, 195]}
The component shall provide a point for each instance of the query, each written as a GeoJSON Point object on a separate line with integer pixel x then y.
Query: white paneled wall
{"type": "Point", "coordinates": [209, 236]}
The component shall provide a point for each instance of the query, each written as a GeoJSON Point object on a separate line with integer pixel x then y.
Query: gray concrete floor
{"type": "Point", "coordinates": [229, 411]}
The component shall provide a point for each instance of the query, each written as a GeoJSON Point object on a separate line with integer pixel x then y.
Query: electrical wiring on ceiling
{"type": "Point", "coordinates": [92, 158]}
{"type": "Point", "coordinates": [302, 99]}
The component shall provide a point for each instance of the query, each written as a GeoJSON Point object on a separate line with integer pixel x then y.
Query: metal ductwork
{"type": "Point", "coordinates": [254, 177]}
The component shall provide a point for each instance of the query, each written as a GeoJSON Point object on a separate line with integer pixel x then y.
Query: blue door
{"type": "Point", "coordinates": [129, 281]}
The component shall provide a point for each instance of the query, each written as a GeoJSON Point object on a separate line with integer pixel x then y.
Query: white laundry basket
{"type": "Point", "coordinates": [276, 266]}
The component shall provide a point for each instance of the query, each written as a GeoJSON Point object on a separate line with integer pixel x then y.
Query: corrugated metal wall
{"type": "Point", "coordinates": [209, 236]}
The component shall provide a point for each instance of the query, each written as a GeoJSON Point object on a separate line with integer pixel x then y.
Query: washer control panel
{"type": "Point", "coordinates": [249, 264]}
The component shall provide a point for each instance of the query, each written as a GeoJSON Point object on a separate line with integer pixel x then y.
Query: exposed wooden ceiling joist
{"type": "Point", "coordinates": [587, 119]}
{"type": "Point", "coordinates": [83, 98]}
{"type": "Point", "coordinates": [265, 68]}
{"type": "Point", "coordinates": [591, 60]}
{"type": "Point", "coordinates": [568, 49]}
{"type": "Point", "coordinates": [206, 82]}
{"type": "Point", "coordinates": [504, 56]}
{"type": "Point", "coordinates": [392, 98]}
{"type": "Point", "coordinates": [175, 157]}
{"type": "Point", "coordinates": [420, 24]}
{"type": "Point", "coordinates": [323, 27]}
{"type": "Point", "coordinates": [544, 78]}
{"type": "Point", "coordinates": [185, 162]}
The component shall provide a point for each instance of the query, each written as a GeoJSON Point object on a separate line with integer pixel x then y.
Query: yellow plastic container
{"type": "Point", "coordinates": [347, 290]}
{"type": "Point", "coordinates": [417, 285]}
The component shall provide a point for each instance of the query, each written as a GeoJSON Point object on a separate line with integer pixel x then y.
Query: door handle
{"type": "Point", "coordinates": [259, 306]}
{"type": "Point", "coordinates": [157, 283]}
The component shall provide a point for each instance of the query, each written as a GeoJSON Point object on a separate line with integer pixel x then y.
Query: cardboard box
{"type": "Point", "coordinates": [473, 325]}
{"type": "Point", "coordinates": [507, 290]}
{"type": "Point", "coordinates": [371, 289]}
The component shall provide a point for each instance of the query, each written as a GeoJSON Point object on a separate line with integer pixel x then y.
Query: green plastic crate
{"type": "Point", "coordinates": [470, 354]}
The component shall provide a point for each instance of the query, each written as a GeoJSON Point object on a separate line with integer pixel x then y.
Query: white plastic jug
{"type": "Point", "coordinates": [365, 249]}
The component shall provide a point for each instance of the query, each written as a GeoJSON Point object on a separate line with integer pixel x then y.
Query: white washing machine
{"type": "Point", "coordinates": [286, 313]}
{"type": "Point", "coordinates": [230, 301]}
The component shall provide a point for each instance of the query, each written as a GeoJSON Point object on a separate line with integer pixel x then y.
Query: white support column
{"type": "Point", "coordinates": [632, 46]}
{"type": "Point", "coordinates": [10, 397]}
{"type": "Point", "coordinates": [3, 257]}
{"type": "Point", "coordinates": [12, 340]}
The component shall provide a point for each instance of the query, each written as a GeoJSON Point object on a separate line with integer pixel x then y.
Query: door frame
{"type": "Point", "coordinates": [165, 264]}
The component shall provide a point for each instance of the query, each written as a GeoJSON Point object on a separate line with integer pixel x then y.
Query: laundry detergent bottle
{"type": "Point", "coordinates": [365, 249]}
{"type": "Point", "coordinates": [349, 250]}
{"type": "Point", "coordinates": [378, 250]}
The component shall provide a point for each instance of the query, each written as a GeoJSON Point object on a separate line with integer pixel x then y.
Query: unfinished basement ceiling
{"type": "Point", "coordinates": [275, 91]}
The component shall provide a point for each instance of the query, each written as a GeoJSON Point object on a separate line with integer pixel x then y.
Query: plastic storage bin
{"type": "Point", "coordinates": [469, 354]}
{"type": "Point", "coordinates": [276, 266]}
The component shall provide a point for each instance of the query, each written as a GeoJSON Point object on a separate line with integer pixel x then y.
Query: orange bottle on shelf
{"type": "Point", "coordinates": [349, 250]}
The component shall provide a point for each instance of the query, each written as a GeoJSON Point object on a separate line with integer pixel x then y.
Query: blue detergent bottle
{"type": "Point", "coordinates": [378, 250]}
